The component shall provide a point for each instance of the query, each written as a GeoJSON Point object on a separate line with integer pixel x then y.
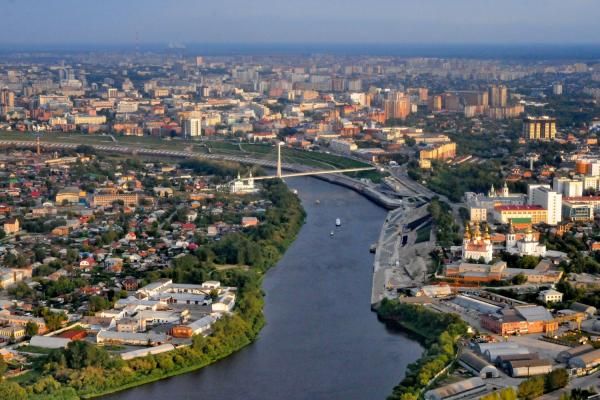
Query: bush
{"type": "Point", "coordinates": [12, 391]}
{"type": "Point", "coordinates": [440, 333]}
{"type": "Point", "coordinates": [531, 388]}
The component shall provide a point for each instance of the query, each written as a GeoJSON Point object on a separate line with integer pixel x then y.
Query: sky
{"type": "Point", "coordinates": [299, 21]}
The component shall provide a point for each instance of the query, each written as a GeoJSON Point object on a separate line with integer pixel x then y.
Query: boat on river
{"type": "Point", "coordinates": [338, 222]}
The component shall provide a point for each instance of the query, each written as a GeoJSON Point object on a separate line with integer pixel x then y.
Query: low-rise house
{"type": "Point", "coordinates": [249, 221]}
{"type": "Point", "coordinates": [87, 264]}
{"type": "Point", "coordinates": [550, 296]}
{"type": "Point", "coordinates": [12, 226]}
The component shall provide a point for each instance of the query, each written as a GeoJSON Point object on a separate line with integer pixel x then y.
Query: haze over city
{"type": "Point", "coordinates": [309, 21]}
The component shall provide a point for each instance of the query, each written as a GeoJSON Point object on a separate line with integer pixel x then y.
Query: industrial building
{"type": "Point", "coordinates": [587, 360]}
{"type": "Point", "coordinates": [528, 367]}
{"type": "Point", "coordinates": [459, 390]}
{"type": "Point", "coordinates": [478, 365]}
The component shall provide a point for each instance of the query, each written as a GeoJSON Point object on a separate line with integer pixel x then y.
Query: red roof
{"type": "Point", "coordinates": [519, 208]}
{"type": "Point", "coordinates": [74, 335]}
{"type": "Point", "coordinates": [582, 198]}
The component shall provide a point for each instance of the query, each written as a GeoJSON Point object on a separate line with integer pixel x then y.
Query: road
{"type": "Point", "coordinates": [401, 175]}
{"type": "Point", "coordinates": [400, 262]}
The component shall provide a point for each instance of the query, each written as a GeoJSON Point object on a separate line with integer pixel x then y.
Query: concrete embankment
{"type": "Point", "coordinates": [378, 198]}
{"type": "Point", "coordinates": [401, 259]}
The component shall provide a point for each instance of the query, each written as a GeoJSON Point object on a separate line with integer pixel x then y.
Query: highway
{"type": "Point", "coordinates": [337, 178]}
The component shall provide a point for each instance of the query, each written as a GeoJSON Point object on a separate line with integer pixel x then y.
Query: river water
{"type": "Point", "coordinates": [321, 340]}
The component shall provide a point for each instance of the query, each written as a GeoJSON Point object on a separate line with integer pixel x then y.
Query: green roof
{"type": "Point", "coordinates": [523, 220]}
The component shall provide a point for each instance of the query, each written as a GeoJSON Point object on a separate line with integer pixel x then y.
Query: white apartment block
{"type": "Point", "coordinates": [531, 199]}
{"type": "Point", "coordinates": [192, 127]}
{"type": "Point", "coordinates": [568, 187]}
{"type": "Point", "coordinates": [550, 200]}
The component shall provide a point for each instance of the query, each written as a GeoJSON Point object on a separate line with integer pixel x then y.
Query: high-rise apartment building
{"type": "Point", "coordinates": [7, 101]}
{"type": "Point", "coordinates": [192, 127]}
{"type": "Point", "coordinates": [539, 128]}
{"type": "Point", "coordinates": [498, 95]}
{"type": "Point", "coordinates": [434, 103]}
{"type": "Point", "coordinates": [397, 106]}
{"type": "Point", "coordinates": [545, 197]}
{"type": "Point", "coordinates": [557, 89]}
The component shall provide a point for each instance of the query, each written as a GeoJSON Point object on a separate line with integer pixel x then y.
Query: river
{"type": "Point", "coordinates": [321, 340]}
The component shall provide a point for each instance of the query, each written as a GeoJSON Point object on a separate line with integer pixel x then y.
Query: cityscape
{"type": "Point", "coordinates": [334, 213]}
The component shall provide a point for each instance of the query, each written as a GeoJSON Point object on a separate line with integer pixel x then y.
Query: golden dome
{"type": "Point", "coordinates": [487, 232]}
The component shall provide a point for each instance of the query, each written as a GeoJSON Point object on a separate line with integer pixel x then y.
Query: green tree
{"type": "Point", "coordinates": [12, 391]}
{"type": "Point", "coordinates": [53, 320]}
{"type": "Point", "coordinates": [531, 388]}
{"type": "Point", "coordinates": [31, 329]}
{"type": "Point", "coordinates": [508, 394]}
{"type": "Point", "coordinates": [579, 394]}
{"type": "Point", "coordinates": [3, 367]}
{"type": "Point", "coordinates": [519, 279]}
{"type": "Point", "coordinates": [98, 303]}
{"type": "Point", "coordinates": [559, 378]}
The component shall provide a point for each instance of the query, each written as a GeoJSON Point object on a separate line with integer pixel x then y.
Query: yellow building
{"type": "Point", "coordinates": [441, 151]}
{"type": "Point", "coordinates": [12, 332]}
{"type": "Point", "coordinates": [69, 194]}
{"type": "Point", "coordinates": [539, 128]}
{"type": "Point", "coordinates": [105, 200]}
{"type": "Point", "coordinates": [12, 226]}
{"type": "Point", "coordinates": [505, 213]}
{"type": "Point", "coordinates": [82, 119]}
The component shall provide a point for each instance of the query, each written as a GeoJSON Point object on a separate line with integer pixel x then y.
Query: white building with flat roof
{"type": "Point", "coordinates": [550, 200]}
{"type": "Point", "coordinates": [192, 127]}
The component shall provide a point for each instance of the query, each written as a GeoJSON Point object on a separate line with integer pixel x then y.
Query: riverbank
{"type": "Point", "coordinates": [320, 341]}
{"type": "Point", "coordinates": [92, 372]}
{"type": "Point", "coordinates": [439, 333]}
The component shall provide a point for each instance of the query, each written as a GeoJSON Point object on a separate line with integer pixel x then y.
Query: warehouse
{"type": "Point", "coordinates": [566, 355]}
{"type": "Point", "coordinates": [478, 365]}
{"type": "Point", "coordinates": [471, 303]}
{"type": "Point", "coordinates": [467, 388]}
{"type": "Point", "coordinates": [494, 354]}
{"type": "Point", "coordinates": [135, 339]}
{"type": "Point", "coordinates": [531, 367]}
{"type": "Point", "coordinates": [482, 347]}
{"type": "Point", "coordinates": [147, 351]}
{"type": "Point", "coordinates": [503, 361]}
{"type": "Point", "coordinates": [586, 360]}
{"type": "Point", "coordinates": [49, 342]}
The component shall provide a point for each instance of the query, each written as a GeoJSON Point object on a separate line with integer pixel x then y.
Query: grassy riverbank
{"type": "Point", "coordinates": [84, 370]}
{"type": "Point", "coordinates": [438, 332]}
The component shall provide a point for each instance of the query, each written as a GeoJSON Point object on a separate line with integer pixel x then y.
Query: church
{"type": "Point", "coordinates": [528, 245]}
{"type": "Point", "coordinates": [477, 246]}
{"type": "Point", "coordinates": [243, 185]}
